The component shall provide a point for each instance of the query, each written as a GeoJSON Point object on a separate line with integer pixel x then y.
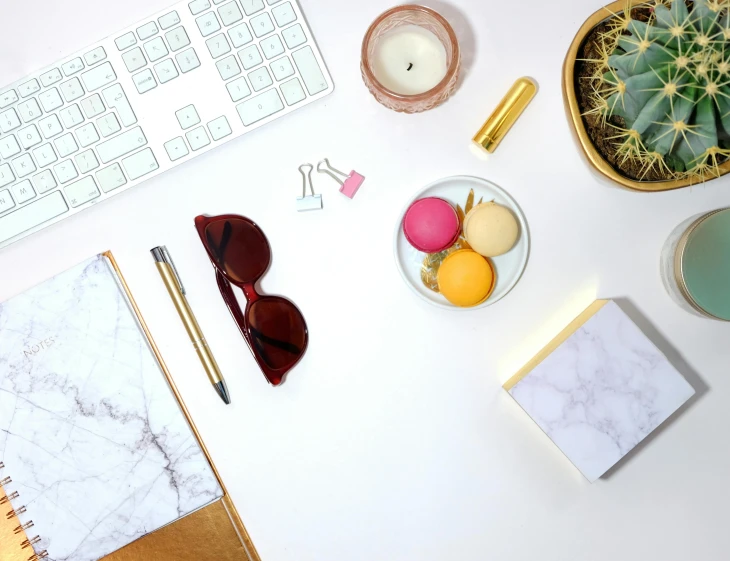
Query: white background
{"type": "Point", "coordinates": [393, 439]}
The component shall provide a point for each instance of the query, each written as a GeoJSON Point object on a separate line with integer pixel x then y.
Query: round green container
{"type": "Point", "coordinates": [697, 264]}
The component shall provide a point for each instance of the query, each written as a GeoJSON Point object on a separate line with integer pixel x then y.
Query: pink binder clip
{"type": "Point", "coordinates": [349, 184]}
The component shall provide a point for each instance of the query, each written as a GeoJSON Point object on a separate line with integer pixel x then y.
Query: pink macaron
{"type": "Point", "coordinates": [431, 225]}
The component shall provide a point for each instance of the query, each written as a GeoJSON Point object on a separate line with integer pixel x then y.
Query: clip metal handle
{"type": "Point", "coordinates": [331, 171]}
{"type": "Point", "coordinates": [162, 255]}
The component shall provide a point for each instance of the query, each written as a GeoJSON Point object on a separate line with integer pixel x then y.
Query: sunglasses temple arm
{"type": "Point", "coordinates": [233, 306]}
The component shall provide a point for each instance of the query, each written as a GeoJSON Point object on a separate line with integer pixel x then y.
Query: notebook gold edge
{"type": "Point", "coordinates": [226, 502]}
{"type": "Point", "coordinates": [10, 542]}
{"type": "Point", "coordinates": [558, 340]}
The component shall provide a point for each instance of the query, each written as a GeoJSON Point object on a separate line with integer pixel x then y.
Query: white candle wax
{"type": "Point", "coordinates": [409, 60]}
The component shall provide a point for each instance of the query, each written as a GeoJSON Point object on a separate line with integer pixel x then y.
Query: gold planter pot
{"type": "Point", "coordinates": [574, 115]}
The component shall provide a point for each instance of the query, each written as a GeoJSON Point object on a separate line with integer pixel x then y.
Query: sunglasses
{"type": "Point", "coordinates": [272, 326]}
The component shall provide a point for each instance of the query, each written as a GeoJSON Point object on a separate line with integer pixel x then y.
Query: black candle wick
{"type": "Point", "coordinates": [410, 65]}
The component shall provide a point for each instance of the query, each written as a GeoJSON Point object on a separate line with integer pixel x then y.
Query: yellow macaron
{"type": "Point", "coordinates": [466, 278]}
{"type": "Point", "coordinates": [491, 229]}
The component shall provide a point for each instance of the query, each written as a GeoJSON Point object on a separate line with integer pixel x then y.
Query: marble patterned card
{"type": "Point", "coordinates": [90, 431]}
{"type": "Point", "coordinates": [599, 388]}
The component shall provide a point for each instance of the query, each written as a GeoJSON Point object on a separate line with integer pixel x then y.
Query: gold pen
{"type": "Point", "coordinates": [171, 278]}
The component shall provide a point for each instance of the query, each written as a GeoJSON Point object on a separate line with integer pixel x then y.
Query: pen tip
{"type": "Point", "coordinates": [222, 390]}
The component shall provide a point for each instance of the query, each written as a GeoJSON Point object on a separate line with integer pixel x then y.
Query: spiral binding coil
{"type": "Point", "coordinates": [28, 542]}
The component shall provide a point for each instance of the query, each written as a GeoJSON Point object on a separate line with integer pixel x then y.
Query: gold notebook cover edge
{"type": "Point", "coordinates": [226, 500]}
{"type": "Point", "coordinates": [558, 340]}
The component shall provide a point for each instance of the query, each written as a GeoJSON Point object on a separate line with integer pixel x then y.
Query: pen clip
{"type": "Point", "coordinates": [164, 256]}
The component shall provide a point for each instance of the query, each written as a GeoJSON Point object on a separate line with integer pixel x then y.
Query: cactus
{"type": "Point", "coordinates": [668, 79]}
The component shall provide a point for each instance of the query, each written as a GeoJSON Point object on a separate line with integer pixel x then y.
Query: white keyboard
{"type": "Point", "coordinates": [146, 99]}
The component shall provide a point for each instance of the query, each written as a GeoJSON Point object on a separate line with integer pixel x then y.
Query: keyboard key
{"type": "Point", "coordinates": [187, 60]}
{"type": "Point", "coordinates": [240, 35]}
{"type": "Point", "coordinates": [66, 145]}
{"type": "Point", "coordinates": [230, 13]}
{"type": "Point", "coordinates": [145, 81]}
{"type": "Point", "coordinates": [140, 164]}
{"type": "Point", "coordinates": [32, 215]}
{"type": "Point", "coordinates": [51, 77]}
{"type": "Point", "coordinates": [310, 71]}
{"type": "Point", "coordinates": [252, 6]}
{"type": "Point", "coordinates": [259, 107]}
{"type": "Point", "coordinates": [29, 88]}
{"type": "Point", "coordinates": [96, 55]}
{"type": "Point", "coordinates": [86, 161]}
{"type": "Point", "coordinates": [238, 89]}
{"type": "Point", "coordinates": [166, 71]}
{"type": "Point", "coordinates": [45, 155]}
{"type": "Point", "coordinates": [50, 126]}
{"type": "Point", "coordinates": [208, 24]}
{"type": "Point", "coordinates": [176, 148]}
{"type": "Point", "coordinates": [108, 125]}
{"type": "Point", "coordinates": [6, 201]}
{"type": "Point", "coordinates": [23, 165]}
{"type": "Point", "coordinates": [120, 145]}
{"type": "Point", "coordinates": [218, 45]}
{"type": "Point", "coordinates": [92, 106]}
{"type": "Point", "coordinates": [9, 147]}
{"type": "Point", "coordinates": [29, 137]}
{"type": "Point", "coordinates": [110, 178]}
{"type": "Point", "coordinates": [8, 98]}
{"type": "Point", "coordinates": [23, 192]}
{"type": "Point", "coordinates": [166, 22]}
{"type": "Point", "coordinates": [44, 181]}
{"type": "Point", "coordinates": [228, 67]}
{"type": "Point", "coordinates": [99, 77]}
{"type": "Point", "coordinates": [177, 39]}
{"type": "Point", "coordinates": [72, 67]}
{"type": "Point", "coordinates": [6, 175]}
{"type": "Point", "coordinates": [81, 191]}
{"type": "Point", "coordinates": [87, 135]}
{"type": "Point", "coordinates": [187, 117]}
{"type": "Point", "coordinates": [198, 6]}
{"type": "Point", "coordinates": [262, 24]}
{"type": "Point", "coordinates": [219, 128]}
{"type": "Point", "coordinates": [272, 47]}
{"type": "Point", "coordinates": [29, 110]}
{"type": "Point", "coordinates": [125, 41]}
{"type": "Point", "coordinates": [50, 100]}
{"type": "Point", "coordinates": [147, 30]}
{"type": "Point", "coordinates": [294, 36]}
{"type": "Point", "coordinates": [72, 89]}
{"type": "Point", "coordinates": [197, 138]}
{"type": "Point", "coordinates": [282, 68]}
{"type": "Point", "coordinates": [65, 171]}
{"type": "Point", "coordinates": [250, 57]}
{"type": "Point", "coordinates": [117, 99]}
{"type": "Point", "coordinates": [71, 116]}
{"type": "Point", "coordinates": [134, 59]}
{"type": "Point", "coordinates": [260, 79]}
{"type": "Point", "coordinates": [9, 120]}
{"type": "Point", "coordinates": [155, 49]}
{"type": "Point", "coordinates": [272, 2]}
{"type": "Point", "coordinates": [284, 14]}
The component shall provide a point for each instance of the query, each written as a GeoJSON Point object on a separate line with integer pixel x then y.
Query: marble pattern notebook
{"type": "Point", "coordinates": [599, 388]}
{"type": "Point", "coordinates": [90, 432]}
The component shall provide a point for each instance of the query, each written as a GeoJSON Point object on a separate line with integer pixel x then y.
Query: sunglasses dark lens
{"type": "Point", "coordinates": [239, 249]}
{"type": "Point", "coordinates": [278, 332]}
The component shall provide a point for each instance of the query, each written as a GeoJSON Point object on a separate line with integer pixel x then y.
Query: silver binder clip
{"type": "Point", "coordinates": [308, 202]}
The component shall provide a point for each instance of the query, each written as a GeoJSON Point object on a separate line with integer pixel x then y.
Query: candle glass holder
{"type": "Point", "coordinates": [411, 14]}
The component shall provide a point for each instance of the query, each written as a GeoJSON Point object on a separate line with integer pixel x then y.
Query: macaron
{"type": "Point", "coordinates": [431, 225]}
{"type": "Point", "coordinates": [466, 278]}
{"type": "Point", "coordinates": [491, 229]}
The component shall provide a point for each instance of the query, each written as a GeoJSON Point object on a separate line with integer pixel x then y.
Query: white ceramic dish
{"type": "Point", "coordinates": [509, 267]}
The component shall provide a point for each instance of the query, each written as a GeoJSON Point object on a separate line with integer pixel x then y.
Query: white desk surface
{"type": "Point", "coordinates": [393, 439]}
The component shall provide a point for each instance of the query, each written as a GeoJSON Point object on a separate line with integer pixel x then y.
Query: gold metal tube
{"type": "Point", "coordinates": [506, 114]}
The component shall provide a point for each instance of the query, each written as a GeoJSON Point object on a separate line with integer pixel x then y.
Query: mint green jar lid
{"type": "Point", "coordinates": [706, 264]}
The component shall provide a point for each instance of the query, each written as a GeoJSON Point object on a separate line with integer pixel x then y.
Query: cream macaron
{"type": "Point", "coordinates": [491, 229]}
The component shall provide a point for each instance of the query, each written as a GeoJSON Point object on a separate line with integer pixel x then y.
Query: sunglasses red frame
{"type": "Point", "coordinates": [241, 317]}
